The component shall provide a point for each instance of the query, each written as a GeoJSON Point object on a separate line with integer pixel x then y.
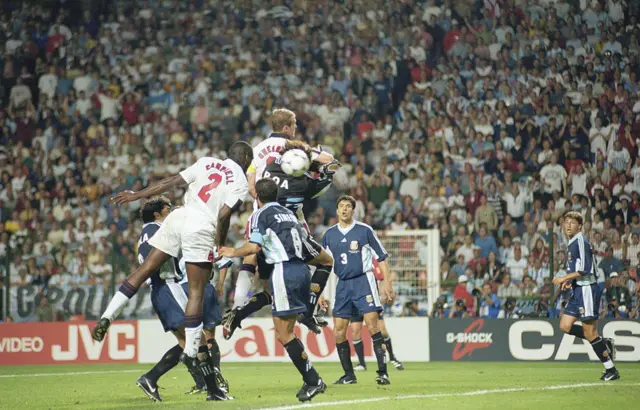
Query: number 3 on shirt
{"type": "Point", "coordinates": [205, 191]}
{"type": "Point", "coordinates": [343, 258]}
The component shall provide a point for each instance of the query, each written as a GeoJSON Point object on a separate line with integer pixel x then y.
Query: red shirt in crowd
{"type": "Point", "coordinates": [130, 112]}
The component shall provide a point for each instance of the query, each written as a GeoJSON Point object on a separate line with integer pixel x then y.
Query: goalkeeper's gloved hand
{"type": "Point", "coordinates": [330, 168]}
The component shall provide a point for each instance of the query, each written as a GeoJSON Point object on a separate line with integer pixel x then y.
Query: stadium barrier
{"type": "Point", "coordinates": [525, 340]}
{"type": "Point", "coordinates": [85, 300]}
{"type": "Point", "coordinates": [144, 341]}
{"type": "Point", "coordinates": [414, 339]}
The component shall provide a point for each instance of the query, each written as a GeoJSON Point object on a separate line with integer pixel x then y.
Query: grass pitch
{"type": "Point", "coordinates": [545, 386]}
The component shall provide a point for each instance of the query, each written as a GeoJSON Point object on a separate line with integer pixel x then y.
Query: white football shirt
{"type": "Point", "coordinates": [265, 153]}
{"type": "Point", "coordinates": [214, 183]}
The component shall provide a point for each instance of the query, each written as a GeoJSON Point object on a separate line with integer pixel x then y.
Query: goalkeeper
{"type": "Point", "coordinates": [292, 192]}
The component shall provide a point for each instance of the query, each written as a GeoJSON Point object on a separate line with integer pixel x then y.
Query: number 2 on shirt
{"type": "Point", "coordinates": [205, 191]}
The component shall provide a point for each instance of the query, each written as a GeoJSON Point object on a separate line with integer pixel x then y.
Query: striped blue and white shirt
{"type": "Point", "coordinates": [580, 258]}
{"type": "Point", "coordinates": [353, 249]}
{"type": "Point", "coordinates": [278, 232]}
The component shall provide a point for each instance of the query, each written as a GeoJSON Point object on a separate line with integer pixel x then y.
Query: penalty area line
{"type": "Point", "coordinates": [444, 395]}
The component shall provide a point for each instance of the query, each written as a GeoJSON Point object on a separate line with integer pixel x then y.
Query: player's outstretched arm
{"type": "Point", "coordinates": [321, 157]}
{"type": "Point", "coordinates": [156, 188]}
{"type": "Point", "coordinates": [249, 248]}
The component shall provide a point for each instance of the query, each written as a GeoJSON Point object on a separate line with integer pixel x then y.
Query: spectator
{"type": "Point", "coordinates": [516, 265]}
{"type": "Point", "coordinates": [489, 303]}
{"type": "Point", "coordinates": [412, 309]}
{"type": "Point", "coordinates": [460, 292]}
{"type": "Point", "coordinates": [618, 292]}
{"type": "Point", "coordinates": [459, 310]}
{"type": "Point", "coordinates": [486, 243]}
{"type": "Point", "coordinates": [44, 311]}
{"type": "Point", "coordinates": [508, 288]}
{"type": "Point", "coordinates": [486, 215]}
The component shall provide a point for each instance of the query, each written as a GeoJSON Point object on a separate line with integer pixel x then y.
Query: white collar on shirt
{"type": "Point", "coordinates": [346, 230]}
{"type": "Point", "coordinates": [575, 238]}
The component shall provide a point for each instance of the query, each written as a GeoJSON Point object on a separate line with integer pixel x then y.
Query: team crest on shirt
{"type": "Point", "coordinates": [315, 287]}
{"type": "Point", "coordinates": [581, 310]}
{"type": "Point", "coordinates": [369, 299]}
{"type": "Point", "coordinates": [569, 256]}
{"type": "Point", "coordinates": [353, 245]}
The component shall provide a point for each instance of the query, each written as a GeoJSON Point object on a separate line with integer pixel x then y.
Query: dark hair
{"type": "Point", "coordinates": [154, 205]}
{"type": "Point", "coordinates": [241, 153]}
{"type": "Point", "coordinates": [294, 144]}
{"type": "Point", "coordinates": [348, 198]}
{"type": "Point", "coordinates": [267, 190]}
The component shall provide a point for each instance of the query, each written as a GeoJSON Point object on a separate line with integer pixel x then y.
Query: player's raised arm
{"type": "Point", "coordinates": [156, 188]}
{"type": "Point", "coordinates": [183, 178]}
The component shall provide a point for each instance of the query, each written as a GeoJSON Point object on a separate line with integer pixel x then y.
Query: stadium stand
{"type": "Point", "coordinates": [483, 119]}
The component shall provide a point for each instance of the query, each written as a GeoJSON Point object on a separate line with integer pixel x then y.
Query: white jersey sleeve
{"type": "Point", "coordinates": [190, 174]}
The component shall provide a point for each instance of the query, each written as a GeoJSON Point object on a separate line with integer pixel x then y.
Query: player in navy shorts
{"type": "Point", "coordinates": [584, 294]}
{"type": "Point", "coordinates": [354, 246]}
{"type": "Point", "coordinates": [169, 295]}
{"type": "Point", "coordinates": [356, 329]}
{"type": "Point", "coordinates": [277, 233]}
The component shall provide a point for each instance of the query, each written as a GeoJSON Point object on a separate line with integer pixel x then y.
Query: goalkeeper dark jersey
{"type": "Point", "coordinates": [293, 191]}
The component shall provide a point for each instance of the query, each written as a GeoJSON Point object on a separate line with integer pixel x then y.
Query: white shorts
{"type": "Point", "coordinates": [189, 231]}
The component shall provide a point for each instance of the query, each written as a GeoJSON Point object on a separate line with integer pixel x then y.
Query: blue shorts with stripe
{"type": "Point", "coordinates": [356, 297]}
{"type": "Point", "coordinates": [290, 283]}
{"type": "Point", "coordinates": [584, 302]}
{"type": "Point", "coordinates": [169, 301]}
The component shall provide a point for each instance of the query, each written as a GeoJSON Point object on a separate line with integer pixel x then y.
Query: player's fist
{"type": "Point", "coordinates": [390, 294]}
{"type": "Point", "coordinates": [124, 197]}
{"type": "Point", "coordinates": [226, 251]}
{"type": "Point", "coordinates": [559, 280]}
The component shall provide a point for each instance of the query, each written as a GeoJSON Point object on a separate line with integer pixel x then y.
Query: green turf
{"type": "Point", "coordinates": [269, 385]}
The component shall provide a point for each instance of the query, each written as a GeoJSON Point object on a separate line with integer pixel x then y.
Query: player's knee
{"type": "Point", "coordinates": [357, 333]}
{"type": "Point", "coordinates": [565, 326]}
{"type": "Point", "coordinates": [340, 333]}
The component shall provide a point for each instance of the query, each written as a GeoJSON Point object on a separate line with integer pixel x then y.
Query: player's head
{"type": "Point", "coordinates": [155, 209]}
{"type": "Point", "coordinates": [241, 153]}
{"type": "Point", "coordinates": [346, 206]}
{"type": "Point", "coordinates": [572, 223]}
{"type": "Point", "coordinates": [267, 191]}
{"type": "Point", "coordinates": [283, 121]}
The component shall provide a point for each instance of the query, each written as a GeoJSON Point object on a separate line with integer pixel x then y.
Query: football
{"type": "Point", "coordinates": [295, 162]}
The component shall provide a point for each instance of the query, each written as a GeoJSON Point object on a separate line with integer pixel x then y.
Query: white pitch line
{"type": "Point", "coordinates": [68, 373]}
{"type": "Point", "coordinates": [441, 395]}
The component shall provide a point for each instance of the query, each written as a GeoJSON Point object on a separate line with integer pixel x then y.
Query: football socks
{"type": "Point", "coordinates": [378, 349]}
{"type": "Point", "coordinates": [170, 360]}
{"type": "Point", "coordinates": [296, 352]}
{"type": "Point", "coordinates": [359, 347]}
{"type": "Point", "coordinates": [344, 353]}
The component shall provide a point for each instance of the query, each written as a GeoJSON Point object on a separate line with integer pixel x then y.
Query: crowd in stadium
{"type": "Point", "coordinates": [485, 119]}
